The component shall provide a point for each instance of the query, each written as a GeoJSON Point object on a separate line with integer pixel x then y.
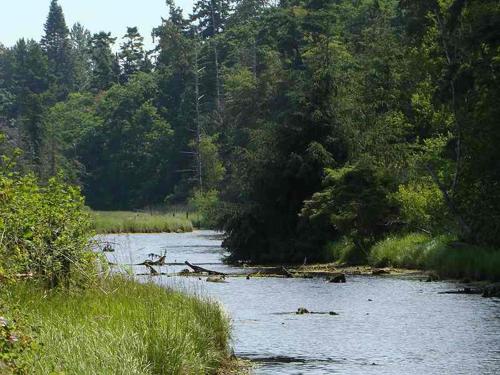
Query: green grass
{"type": "Point", "coordinates": [132, 328]}
{"type": "Point", "coordinates": [137, 222]}
{"type": "Point", "coordinates": [441, 254]}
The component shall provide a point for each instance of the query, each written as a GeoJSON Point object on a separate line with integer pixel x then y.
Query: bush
{"type": "Point", "coordinates": [206, 204]}
{"type": "Point", "coordinates": [15, 343]}
{"type": "Point", "coordinates": [45, 231]}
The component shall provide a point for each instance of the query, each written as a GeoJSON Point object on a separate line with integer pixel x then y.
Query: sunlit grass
{"type": "Point", "coordinates": [442, 254]}
{"type": "Point", "coordinates": [123, 327]}
{"type": "Point", "coordinates": [139, 222]}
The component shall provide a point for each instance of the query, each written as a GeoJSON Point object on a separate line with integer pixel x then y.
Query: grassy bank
{"type": "Point", "coordinates": [123, 327]}
{"type": "Point", "coordinates": [138, 222]}
{"type": "Point", "coordinates": [442, 254]}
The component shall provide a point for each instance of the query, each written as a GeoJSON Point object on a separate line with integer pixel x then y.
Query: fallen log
{"type": "Point", "coordinates": [152, 271]}
{"type": "Point", "coordinates": [199, 269]}
{"type": "Point", "coordinates": [275, 271]}
{"type": "Point", "coordinates": [159, 262]}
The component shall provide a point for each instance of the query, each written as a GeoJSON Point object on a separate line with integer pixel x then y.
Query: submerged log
{"type": "Point", "coordinates": [462, 291]}
{"type": "Point", "coordinates": [199, 269]}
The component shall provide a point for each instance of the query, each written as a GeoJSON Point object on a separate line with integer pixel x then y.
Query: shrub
{"type": "Point", "coordinates": [206, 204]}
{"type": "Point", "coordinates": [44, 230]}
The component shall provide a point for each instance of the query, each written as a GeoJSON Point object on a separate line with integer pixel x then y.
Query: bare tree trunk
{"type": "Point", "coordinates": [216, 60]}
{"type": "Point", "coordinates": [198, 122]}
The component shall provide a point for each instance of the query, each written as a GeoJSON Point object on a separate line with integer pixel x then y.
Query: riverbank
{"type": "Point", "coordinates": [120, 326]}
{"type": "Point", "coordinates": [106, 222]}
{"type": "Point", "coordinates": [417, 254]}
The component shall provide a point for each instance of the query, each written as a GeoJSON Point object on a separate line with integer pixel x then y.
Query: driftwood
{"type": "Point", "coordinates": [159, 262]}
{"type": "Point", "coordinates": [151, 269]}
{"type": "Point", "coordinates": [198, 269]}
{"type": "Point", "coordinates": [274, 271]}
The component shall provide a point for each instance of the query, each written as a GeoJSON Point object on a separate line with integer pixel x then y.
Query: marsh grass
{"type": "Point", "coordinates": [441, 253]}
{"type": "Point", "coordinates": [123, 327]}
{"type": "Point", "coordinates": [141, 222]}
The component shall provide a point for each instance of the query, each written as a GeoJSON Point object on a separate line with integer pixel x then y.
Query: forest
{"type": "Point", "coordinates": [306, 130]}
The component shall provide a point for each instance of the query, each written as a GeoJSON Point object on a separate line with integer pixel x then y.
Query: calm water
{"type": "Point", "coordinates": [384, 326]}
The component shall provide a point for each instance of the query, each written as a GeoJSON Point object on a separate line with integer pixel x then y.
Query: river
{"type": "Point", "coordinates": [385, 325]}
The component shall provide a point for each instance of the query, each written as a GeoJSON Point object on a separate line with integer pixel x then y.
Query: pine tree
{"type": "Point", "coordinates": [57, 46]}
{"type": "Point", "coordinates": [103, 61]}
{"type": "Point", "coordinates": [132, 55]}
{"type": "Point", "coordinates": [80, 46]}
{"type": "Point", "coordinates": [212, 16]}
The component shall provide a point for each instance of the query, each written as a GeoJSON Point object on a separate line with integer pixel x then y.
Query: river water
{"type": "Point", "coordinates": [384, 325]}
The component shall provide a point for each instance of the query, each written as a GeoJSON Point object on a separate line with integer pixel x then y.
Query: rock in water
{"type": "Point", "coordinates": [340, 278]}
{"type": "Point", "coordinates": [302, 310]}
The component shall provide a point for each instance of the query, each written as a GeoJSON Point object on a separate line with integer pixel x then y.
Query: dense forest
{"type": "Point", "coordinates": [298, 127]}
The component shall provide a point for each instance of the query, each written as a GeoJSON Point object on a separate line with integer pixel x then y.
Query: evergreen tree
{"type": "Point", "coordinates": [80, 45]}
{"type": "Point", "coordinates": [56, 43]}
{"type": "Point", "coordinates": [211, 16]}
{"type": "Point", "coordinates": [104, 63]}
{"type": "Point", "coordinates": [132, 56]}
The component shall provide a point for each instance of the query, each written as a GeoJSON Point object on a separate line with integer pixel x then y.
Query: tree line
{"type": "Point", "coordinates": [290, 124]}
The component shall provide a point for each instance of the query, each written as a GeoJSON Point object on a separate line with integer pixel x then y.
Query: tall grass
{"type": "Point", "coordinates": [138, 222]}
{"type": "Point", "coordinates": [131, 329]}
{"type": "Point", "coordinates": [442, 254]}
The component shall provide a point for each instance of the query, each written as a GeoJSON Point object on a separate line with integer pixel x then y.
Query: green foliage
{"type": "Point", "coordinates": [123, 154]}
{"type": "Point", "coordinates": [422, 206]}
{"type": "Point", "coordinates": [355, 203]}
{"type": "Point", "coordinates": [212, 168]}
{"type": "Point", "coordinates": [103, 72]}
{"type": "Point", "coordinates": [15, 342]}
{"type": "Point", "coordinates": [45, 231]}
{"type": "Point", "coordinates": [399, 97]}
{"type": "Point", "coordinates": [344, 251]}
{"type": "Point", "coordinates": [441, 253]}
{"type": "Point", "coordinates": [122, 327]}
{"type": "Point", "coordinates": [57, 46]}
{"type": "Point", "coordinates": [207, 205]}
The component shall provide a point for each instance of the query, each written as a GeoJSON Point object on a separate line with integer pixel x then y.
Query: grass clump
{"type": "Point", "coordinates": [343, 251]}
{"type": "Point", "coordinates": [442, 254]}
{"type": "Point", "coordinates": [136, 222]}
{"type": "Point", "coordinates": [132, 328]}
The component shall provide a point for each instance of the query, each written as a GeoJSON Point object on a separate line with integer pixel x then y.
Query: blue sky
{"type": "Point", "coordinates": [25, 18]}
